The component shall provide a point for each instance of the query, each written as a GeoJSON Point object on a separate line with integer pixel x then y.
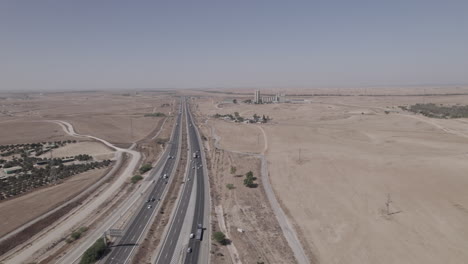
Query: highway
{"type": "Point", "coordinates": [199, 218]}
{"type": "Point", "coordinates": [196, 169]}
{"type": "Point", "coordinates": [122, 250]}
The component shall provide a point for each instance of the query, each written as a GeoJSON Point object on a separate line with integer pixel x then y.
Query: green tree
{"type": "Point", "coordinates": [95, 252]}
{"type": "Point", "coordinates": [248, 181]}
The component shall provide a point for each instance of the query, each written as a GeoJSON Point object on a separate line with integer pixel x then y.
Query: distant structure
{"type": "Point", "coordinates": [277, 98]}
{"type": "Point", "coordinates": [268, 99]}
{"type": "Point", "coordinates": [257, 98]}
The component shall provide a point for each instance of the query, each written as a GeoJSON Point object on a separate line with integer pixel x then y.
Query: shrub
{"type": "Point", "coordinates": [230, 186]}
{"type": "Point", "coordinates": [233, 169]}
{"type": "Point", "coordinates": [75, 235]}
{"type": "Point", "coordinates": [219, 237]}
{"type": "Point", "coordinates": [136, 178]}
{"type": "Point", "coordinates": [161, 140]}
{"type": "Point", "coordinates": [146, 167]}
{"type": "Point", "coordinates": [158, 114]}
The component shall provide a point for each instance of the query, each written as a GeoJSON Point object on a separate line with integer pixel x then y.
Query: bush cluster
{"type": "Point", "coordinates": [439, 111]}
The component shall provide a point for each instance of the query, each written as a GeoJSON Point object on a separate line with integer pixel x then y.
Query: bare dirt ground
{"type": "Point", "coordinates": [115, 117]}
{"type": "Point", "coordinates": [96, 150]}
{"type": "Point", "coordinates": [336, 162]}
{"type": "Point", "coordinates": [242, 208]}
{"type": "Point", "coordinates": [16, 212]}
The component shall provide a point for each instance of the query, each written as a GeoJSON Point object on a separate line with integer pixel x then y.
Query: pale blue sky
{"type": "Point", "coordinates": [170, 44]}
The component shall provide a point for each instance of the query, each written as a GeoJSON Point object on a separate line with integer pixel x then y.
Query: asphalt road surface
{"type": "Point", "coordinates": [196, 169]}
{"type": "Point", "coordinates": [121, 252]}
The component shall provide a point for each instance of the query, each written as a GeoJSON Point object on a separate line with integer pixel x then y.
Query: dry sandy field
{"type": "Point", "coordinates": [362, 185]}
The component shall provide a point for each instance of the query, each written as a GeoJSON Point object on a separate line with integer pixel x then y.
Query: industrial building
{"type": "Point", "coordinates": [257, 98]}
{"type": "Point", "coordinates": [277, 98]}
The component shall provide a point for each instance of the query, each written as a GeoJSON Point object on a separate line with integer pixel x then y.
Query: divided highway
{"type": "Point", "coordinates": [121, 252]}
{"type": "Point", "coordinates": [196, 169]}
{"type": "Point", "coordinates": [200, 202]}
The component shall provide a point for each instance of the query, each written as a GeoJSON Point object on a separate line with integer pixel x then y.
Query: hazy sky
{"type": "Point", "coordinates": [168, 44]}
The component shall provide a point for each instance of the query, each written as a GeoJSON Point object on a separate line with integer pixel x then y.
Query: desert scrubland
{"type": "Point", "coordinates": [361, 180]}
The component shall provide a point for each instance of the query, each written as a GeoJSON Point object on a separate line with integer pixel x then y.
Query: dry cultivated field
{"type": "Point", "coordinates": [362, 185]}
{"type": "Point", "coordinates": [116, 117]}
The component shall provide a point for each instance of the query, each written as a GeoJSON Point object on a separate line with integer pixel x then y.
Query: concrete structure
{"type": "Point", "coordinates": [257, 98]}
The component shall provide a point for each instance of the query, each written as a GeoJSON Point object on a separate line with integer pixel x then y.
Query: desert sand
{"type": "Point", "coordinates": [336, 162]}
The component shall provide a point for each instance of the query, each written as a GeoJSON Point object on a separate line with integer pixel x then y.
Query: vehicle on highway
{"type": "Point", "coordinates": [153, 199]}
{"type": "Point", "coordinates": [199, 234]}
{"type": "Point", "coordinates": [191, 235]}
{"type": "Point", "coordinates": [148, 200]}
{"type": "Point", "coordinates": [189, 250]}
{"type": "Point", "coordinates": [150, 206]}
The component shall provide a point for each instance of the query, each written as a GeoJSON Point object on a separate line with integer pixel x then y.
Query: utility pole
{"type": "Point", "coordinates": [131, 128]}
{"type": "Point", "coordinates": [105, 237]}
{"type": "Point", "coordinates": [389, 201]}
{"type": "Point", "coordinates": [53, 172]}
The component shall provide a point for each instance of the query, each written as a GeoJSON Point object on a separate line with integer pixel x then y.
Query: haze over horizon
{"type": "Point", "coordinates": [73, 45]}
